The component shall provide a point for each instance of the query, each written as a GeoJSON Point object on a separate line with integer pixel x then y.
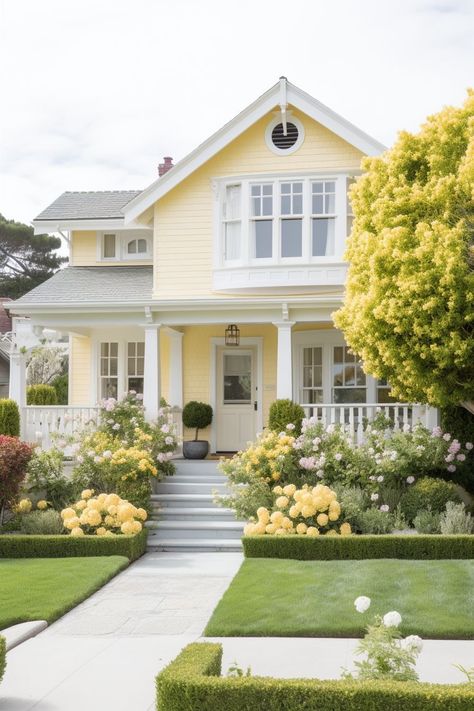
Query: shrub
{"type": "Point", "coordinates": [197, 415]}
{"type": "Point", "coordinates": [192, 682]}
{"type": "Point", "coordinates": [283, 413]}
{"type": "Point", "coordinates": [14, 458]}
{"type": "Point", "coordinates": [359, 547]}
{"type": "Point", "coordinates": [9, 418]}
{"type": "Point", "coordinates": [460, 422]}
{"type": "Point", "coordinates": [45, 477]}
{"type": "Point", "coordinates": [375, 521]}
{"type": "Point", "coordinates": [41, 395]}
{"type": "Point", "coordinates": [42, 523]}
{"type": "Point", "coordinates": [354, 501]}
{"type": "Point", "coordinates": [3, 656]}
{"type": "Point", "coordinates": [426, 521]}
{"type": "Point", "coordinates": [427, 493]}
{"type": "Point", "coordinates": [69, 546]}
{"type": "Point", "coordinates": [61, 385]}
{"type": "Point", "coordinates": [104, 515]}
{"type": "Point", "coordinates": [455, 520]}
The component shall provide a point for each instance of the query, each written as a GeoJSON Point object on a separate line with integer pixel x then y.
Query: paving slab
{"type": "Point", "coordinates": [16, 634]}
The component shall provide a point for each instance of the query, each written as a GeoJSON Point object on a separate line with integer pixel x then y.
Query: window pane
{"type": "Point", "coordinates": [297, 187]}
{"type": "Point", "coordinates": [131, 366]}
{"type": "Point", "coordinates": [330, 186]}
{"type": "Point", "coordinates": [383, 395]}
{"type": "Point", "coordinates": [232, 240]}
{"type": "Point", "coordinates": [113, 366]}
{"type": "Point", "coordinates": [256, 189]}
{"type": "Point", "coordinates": [317, 376]}
{"type": "Point", "coordinates": [297, 204]}
{"type": "Point", "coordinates": [109, 246]}
{"type": "Point", "coordinates": [323, 237]}
{"type": "Point", "coordinates": [141, 348]}
{"type": "Point", "coordinates": [349, 356]}
{"type": "Point", "coordinates": [307, 377]}
{"type": "Point", "coordinates": [104, 366]}
{"type": "Point", "coordinates": [263, 238]}
{"type": "Point", "coordinates": [311, 397]}
{"type": "Point", "coordinates": [286, 205]}
{"type": "Point", "coordinates": [317, 187]}
{"type": "Point", "coordinates": [256, 207]}
{"type": "Point", "coordinates": [330, 204]}
{"type": "Point", "coordinates": [344, 395]}
{"type": "Point", "coordinates": [140, 366]}
{"type": "Point", "coordinates": [337, 371]}
{"type": "Point", "coordinates": [318, 202]}
{"type": "Point", "coordinates": [114, 349]}
{"type": "Point", "coordinates": [237, 379]}
{"type": "Point", "coordinates": [104, 350]}
{"type": "Point", "coordinates": [267, 206]}
{"type": "Point", "coordinates": [268, 189]}
{"type": "Point", "coordinates": [291, 238]}
{"type": "Point", "coordinates": [233, 202]}
{"type": "Point", "coordinates": [108, 387]}
{"type": "Point", "coordinates": [132, 247]}
{"type": "Point", "coordinates": [285, 188]}
{"type": "Point", "coordinates": [307, 356]}
{"type": "Point", "coordinates": [360, 375]}
{"type": "Point", "coordinates": [131, 349]}
{"type": "Point", "coordinates": [135, 384]}
{"type": "Point", "coordinates": [317, 356]}
{"type": "Point", "coordinates": [349, 375]}
{"type": "Point", "coordinates": [338, 354]}
{"type": "Point", "coordinates": [141, 247]}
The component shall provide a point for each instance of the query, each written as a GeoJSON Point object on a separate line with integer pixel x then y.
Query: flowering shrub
{"type": "Point", "coordinates": [306, 512]}
{"type": "Point", "coordinates": [104, 515]}
{"type": "Point", "coordinates": [387, 654]}
{"type": "Point", "coordinates": [45, 476]}
{"type": "Point", "coordinates": [14, 458]}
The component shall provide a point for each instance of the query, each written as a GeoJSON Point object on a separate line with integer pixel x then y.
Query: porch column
{"type": "Point", "coordinates": [151, 375]}
{"type": "Point", "coordinates": [284, 385]}
{"type": "Point", "coordinates": [176, 368]}
{"type": "Point", "coordinates": [17, 384]}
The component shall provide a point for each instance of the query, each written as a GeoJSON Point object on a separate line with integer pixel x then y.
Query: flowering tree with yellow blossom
{"type": "Point", "coordinates": [409, 304]}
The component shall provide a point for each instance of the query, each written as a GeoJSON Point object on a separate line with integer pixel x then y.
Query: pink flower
{"type": "Point", "coordinates": [165, 429]}
{"type": "Point", "coordinates": [436, 432]}
{"type": "Point", "coordinates": [307, 463]}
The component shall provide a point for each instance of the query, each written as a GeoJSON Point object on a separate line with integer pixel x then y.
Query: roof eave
{"type": "Point", "coordinates": [87, 223]}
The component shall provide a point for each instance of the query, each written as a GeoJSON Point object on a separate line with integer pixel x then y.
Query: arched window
{"type": "Point", "coordinates": [137, 246]}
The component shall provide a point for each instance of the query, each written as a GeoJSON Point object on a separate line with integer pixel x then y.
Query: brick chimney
{"type": "Point", "coordinates": [166, 166]}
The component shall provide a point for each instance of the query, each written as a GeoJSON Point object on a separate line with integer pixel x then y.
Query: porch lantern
{"type": "Point", "coordinates": [232, 335]}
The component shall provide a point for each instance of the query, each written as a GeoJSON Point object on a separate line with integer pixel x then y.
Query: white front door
{"type": "Point", "coordinates": [236, 389]}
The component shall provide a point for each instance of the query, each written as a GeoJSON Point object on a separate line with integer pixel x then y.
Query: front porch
{"type": "Point", "coordinates": [303, 360]}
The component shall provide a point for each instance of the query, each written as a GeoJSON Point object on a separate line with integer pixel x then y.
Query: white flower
{"type": "Point", "coordinates": [91, 453]}
{"type": "Point", "coordinates": [374, 497]}
{"type": "Point", "coordinates": [107, 454]}
{"type": "Point", "coordinates": [446, 437]}
{"type": "Point", "coordinates": [338, 456]}
{"type": "Point", "coordinates": [413, 643]}
{"type": "Point", "coordinates": [97, 459]}
{"type": "Point", "coordinates": [139, 396]}
{"type": "Point", "coordinates": [385, 508]}
{"type": "Point", "coordinates": [290, 426]}
{"type": "Point", "coordinates": [371, 450]}
{"type": "Point", "coordinates": [330, 429]}
{"type": "Point", "coordinates": [410, 479]}
{"type": "Point", "coordinates": [320, 473]}
{"type": "Point", "coordinates": [362, 603]}
{"type": "Point", "coordinates": [80, 458]}
{"type": "Point", "coordinates": [317, 441]}
{"type": "Point", "coordinates": [406, 427]}
{"type": "Point", "coordinates": [116, 426]}
{"type": "Point", "coordinates": [165, 429]}
{"type": "Point", "coordinates": [380, 479]}
{"type": "Point", "coordinates": [393, 456]}
{"type": "Point", "coordinates": [392, 619]}
{"type": "Point", "coordinates": [469, 445]}
{"type": "Point", "coordinates": [461, 457]}
{"type": "Point", "coordinates": [169, 440]}
{"type": "Point", "coordinates": [451, 468]}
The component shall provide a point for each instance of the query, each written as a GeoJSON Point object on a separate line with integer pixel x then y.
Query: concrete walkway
{"type": "Point", "coordinates": [106, 652]}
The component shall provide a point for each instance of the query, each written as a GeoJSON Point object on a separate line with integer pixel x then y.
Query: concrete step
{"type": "Point", "coordinates": [185, 545]}
{"type": "Point", "coordinates": [185, 487]}
{"type": "Point", "coordinates": [196, 466]}
{"type": "Point", "coordinates": [182, 500]}
{"type": "Point", "coordinates": [194, 479]}
{"type": "Point", "coordinates": [185, 513]}
{"type": "Point", "coordinates": [196, 529]}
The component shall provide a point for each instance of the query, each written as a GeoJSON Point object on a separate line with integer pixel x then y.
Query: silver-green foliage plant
{"type": "Point", "coordinates": [427, 521]}
{"type": "Point", "coordinates": [42, 523]}
{"type": "Point", "coordinates": [387, 655]}
{"type": "Point", "coordinates": [456, 520]}
{"type": "Point", "coordinates": [45, 477]}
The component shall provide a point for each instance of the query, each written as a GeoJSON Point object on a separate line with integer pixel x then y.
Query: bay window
{"type": "Point", "coordinates": [262, 220]}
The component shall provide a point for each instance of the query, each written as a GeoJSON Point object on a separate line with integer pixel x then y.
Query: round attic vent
{"type": "Point", "coordinates": [281, 141]}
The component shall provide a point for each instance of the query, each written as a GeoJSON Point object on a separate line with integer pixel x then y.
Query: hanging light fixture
{"type": "Point", "coordinates": [232, 335]}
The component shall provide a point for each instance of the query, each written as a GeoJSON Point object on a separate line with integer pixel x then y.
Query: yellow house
{"type": "Point", "coordinates": [218, 281]}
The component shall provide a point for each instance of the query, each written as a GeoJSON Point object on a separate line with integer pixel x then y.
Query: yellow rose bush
{"type": "Point", "coordinates": [102, 515]}
{"type": "Point", "coordinates": [306, 511]}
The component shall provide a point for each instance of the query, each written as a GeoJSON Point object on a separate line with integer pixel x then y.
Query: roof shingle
{"type": "Point", "coordinates": [102, 204]}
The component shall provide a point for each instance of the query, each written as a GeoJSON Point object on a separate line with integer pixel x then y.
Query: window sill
{"type": "Point", "coordinates": [327, 272]}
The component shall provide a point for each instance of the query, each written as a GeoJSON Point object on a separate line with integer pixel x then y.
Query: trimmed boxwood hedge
{"type": "Point", "coordinates": [68, 546]}
{"type": "Point", "coordinates": [3, 656]}
{"type": "Point", "coordinates": [414, 547]}
{"type": "Point", "coordinates": [192, 682]}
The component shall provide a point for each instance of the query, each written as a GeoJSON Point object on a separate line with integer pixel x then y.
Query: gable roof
{"type": "Point", "coordinates": [91, 285]}
{"type": "Point", "coordinates": [282, 93]}
{"type": "Point", "coordinates": [99, 205]}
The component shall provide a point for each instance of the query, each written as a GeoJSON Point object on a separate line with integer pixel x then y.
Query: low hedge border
{"type": "Point", "coordinates": [3, 656]}
{"type": "Point", "coordinates": [192, 682]}
{"type": "Point", "coordinates": [414, 547]}
{"type": "Point", "coordinates": [132, 547]}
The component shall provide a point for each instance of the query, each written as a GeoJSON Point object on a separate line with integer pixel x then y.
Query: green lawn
{"type": "Point", "coordinates": [290, 598]}
{"type": "Point", "coordinates": [46, 588]}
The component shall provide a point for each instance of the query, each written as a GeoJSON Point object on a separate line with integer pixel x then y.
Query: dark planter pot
{"type": "Point", "coordinates": [196, 449]}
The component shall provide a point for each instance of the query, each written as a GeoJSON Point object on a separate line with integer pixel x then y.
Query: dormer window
{"type": "Point", "coordinates": [137, 246]}
{"type": "Point", "coordinates": [124, 245]}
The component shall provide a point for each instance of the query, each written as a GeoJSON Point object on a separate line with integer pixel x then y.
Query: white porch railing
{"type": "Point", "coordinates": [353, 416]}
{"type": "Point", "coordinates": [39, 422]}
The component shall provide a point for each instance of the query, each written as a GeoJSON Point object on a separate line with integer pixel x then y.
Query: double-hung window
{"type": "Point", "coordinates": [135, 365]}
{"type": "Point", "coordinates": [262, 220]}
{"type": "Point", "coordinates": [232, 219]}
{"type": "Point", "coordinates": [323, 217]}
{"type": "Point", "coordinates": [291, 219]}
{"type": "Point", "coordinates": [108, 370]}
{"type": "Point", "coordinates": [312, 375]}
{"type": "Point", "coordinates": [349, 382]}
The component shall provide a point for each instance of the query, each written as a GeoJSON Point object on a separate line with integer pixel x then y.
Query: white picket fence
{"type": "Point", "coordinates": [354, 416]}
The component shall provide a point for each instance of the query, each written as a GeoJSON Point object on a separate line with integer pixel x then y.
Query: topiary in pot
{"type": "Point", "coordinates": [197, 416]}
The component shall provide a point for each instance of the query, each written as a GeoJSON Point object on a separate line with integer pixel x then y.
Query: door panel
{"type": "Point", "coordinates": [236, 398]}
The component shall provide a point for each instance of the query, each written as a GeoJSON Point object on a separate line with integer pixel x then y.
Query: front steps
{"type": "Point", "coordinates": [185, 517]}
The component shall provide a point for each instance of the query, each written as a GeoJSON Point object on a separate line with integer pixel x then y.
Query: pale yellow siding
{"type": "Point", "coordinates": [183, 241]}
{"type": "Point", "coordinates": [80, 371]}
{"type": "Point", "coordinates": [84, 252]}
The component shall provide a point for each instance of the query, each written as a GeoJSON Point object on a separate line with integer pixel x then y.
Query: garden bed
{"type": "Point", "coordinates": [40, 589]}
{"type": "Point", "coordinates": [20, 546]}
{"type": "Point", "coordinates": [414, 547]}
{"type": "Point", "coordinates": [192, 682]}
{"type": "Point", "coordinates": [290, 598]}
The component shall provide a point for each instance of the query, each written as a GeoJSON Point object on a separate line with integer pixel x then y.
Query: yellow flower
{"type": "Point", "coordinates": [332, 532]}
{"type": "Point", "coordinates": [259, 528]}
{"type": "Point", "coordinates": [289, 489]}
{"type": "Point", "coordinates": [77, 531]}
{"type": "Point", "coordinates": [109, 521]}
{"type": "Point", "coordinates": [249, 529]}
{"type": "Point", "coordinates": [71, 522]}
{"type": "Point", "coordinates": [24, 506]}
{"type": "Point", "coordinates": [125, 512]}
{"type": "Point", "coordinates": [80, 505]}
{"type": "Point", "coordinates": [308, 510]}
{"type": "Point", "coordinates": [101, 531]}
{"type": "Point", "coordinates": [67, 513]}
{"type": "Point", "coordinates": [270, 528]}
{"type": "Point", "coordinates": [295, 510]}
{"type": "Point", "coordinates": [312, 532]}
{"type": "Point", "coordinates": [276, 517]}
{"type": "Point", "coordinates": [94, 517]}
{"type": "Point", "coordinates": [87, 493]}
{"type": "Point", "coordinates": [109, 533]}
{"type": "Point", "coordinates": [286, 523]}
{"type": "Point", "coordinates": [42, 505]}
{"type": "Point", "coordinates": [280, 532]}
{"type": "Point", "coordinates": [112, 500]}
{"type": "Point", "coordinates": [301, 528]}
{"type": "Point", "coordinates": [127, 527]}
{"type": "Point", "coordinates": [276, 476]}
{"type": "Point", "coordinates": [345, 529]}
{"type": "Point", "coordinates": [322, 519]}
{"type": "Point", "coordinates": [113, 510]}
{"type": "Point", "coordinates": [282, 502]}
{"type": "Point", "coordinates": [94, 505]}
{"type": "Point", "coordinates": [142, 514]}
{"type": "Point", "coordinates": [263, 514]}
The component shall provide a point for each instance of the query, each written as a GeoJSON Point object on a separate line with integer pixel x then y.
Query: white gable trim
{"type": "Point", "coordinates": [259, 108]}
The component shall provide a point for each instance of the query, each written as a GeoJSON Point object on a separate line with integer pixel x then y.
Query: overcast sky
{"type": "Point", "coordinates": [95, 92]}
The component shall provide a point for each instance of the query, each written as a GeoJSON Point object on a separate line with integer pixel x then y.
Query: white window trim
{"type": "Point", "coordinates": [122, 374]}
{"type": "Point", "coordinates": [246, 256]}
{"type": "Point", "coordinates": [122, 238]}
{"type": "Point", "coordinates": [299, 140]}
